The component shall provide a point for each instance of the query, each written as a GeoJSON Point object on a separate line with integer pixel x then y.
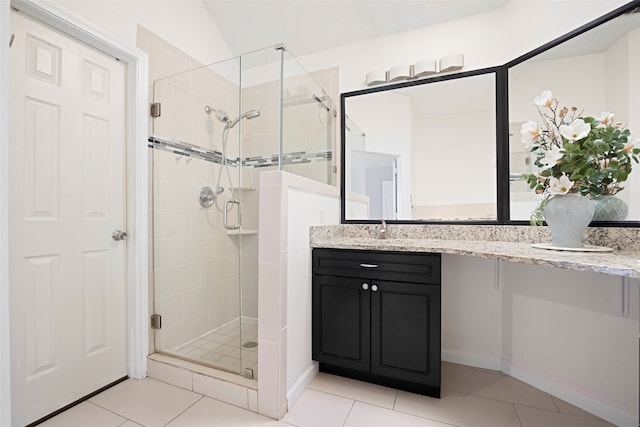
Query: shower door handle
{"type": "Point", "coordinates": [225, 214]}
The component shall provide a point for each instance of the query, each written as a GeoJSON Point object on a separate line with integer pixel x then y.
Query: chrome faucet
{"type": "Point", "coordinates": [382, 232]}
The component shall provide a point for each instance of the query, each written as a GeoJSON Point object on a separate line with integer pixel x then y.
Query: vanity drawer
{"type": "Point", "coordinates": [382, 265]}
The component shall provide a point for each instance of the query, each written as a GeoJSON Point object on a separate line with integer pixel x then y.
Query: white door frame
{"type": "Point", "coordinates": [137, 179]}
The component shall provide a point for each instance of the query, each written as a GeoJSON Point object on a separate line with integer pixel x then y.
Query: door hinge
{"type": "Point", "coordinates": [156, 321]}
{"type": "Point", "coordinates": [155, 109]}
{"type": "Point", "coordinates": [13, 36]}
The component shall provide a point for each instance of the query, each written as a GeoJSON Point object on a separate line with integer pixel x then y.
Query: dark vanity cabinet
{"type": "Point", "coordinates": [376, 317]}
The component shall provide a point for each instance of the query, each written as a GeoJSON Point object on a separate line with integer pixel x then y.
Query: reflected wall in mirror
{"type": "Point", "coordinates": [423, 150]}
{"type": "Point", "coordinates": [595, 71]}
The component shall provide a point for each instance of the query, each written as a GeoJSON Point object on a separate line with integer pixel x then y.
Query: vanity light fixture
{"type": "Point", "coordinates": [424, 68]}
{"type": "Point", "coordinates": [399, 72]}
{"type": "Point", "coordinates": [418, 70]}
{"type": "Point", "coordinates": [375, 77]}
{"type": "Point", "coordinates": [451, 62]}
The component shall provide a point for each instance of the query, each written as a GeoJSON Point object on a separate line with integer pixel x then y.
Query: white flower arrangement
{"type": "Point", "coordinates": [591, 156]}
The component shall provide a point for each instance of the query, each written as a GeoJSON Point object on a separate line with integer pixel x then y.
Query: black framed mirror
{"type": "Point", "coordinates": [423, 150]}
{"type": "Point", "coordinates": [594, 69]}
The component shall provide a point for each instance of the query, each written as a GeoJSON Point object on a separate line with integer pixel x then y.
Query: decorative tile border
{"type": "Point", "coordinates": [196, 152]}
{"type": "Point", "coordinates": [188, 150]}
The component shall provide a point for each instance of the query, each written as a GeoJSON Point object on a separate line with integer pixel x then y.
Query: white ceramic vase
{"type": "Point", "coordinates": [568, 216]}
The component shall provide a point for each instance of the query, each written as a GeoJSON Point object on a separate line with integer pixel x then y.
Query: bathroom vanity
{"type": "Point", "coordinates": [499, 301]}
{"type": "Point", "coordinates": [376, 317]}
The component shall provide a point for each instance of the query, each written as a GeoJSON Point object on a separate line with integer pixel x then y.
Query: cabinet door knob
{"type": "Point", "coordinates": [374, 288]}
{"type": "Point", "coordinates": [365, 286]}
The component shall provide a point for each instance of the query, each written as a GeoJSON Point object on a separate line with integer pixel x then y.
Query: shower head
{"type": "Point", "coordinates": [250, 114]}
{"type": "Point", "coordinates": [220, 115]}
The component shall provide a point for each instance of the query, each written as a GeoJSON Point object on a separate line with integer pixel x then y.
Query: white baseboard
{"type": "Point", "coordinates": [471, 360]}
{"type": "Point", "coordinates": [294, 393]}
{"type": "Point", "coordinates": [596, 407]}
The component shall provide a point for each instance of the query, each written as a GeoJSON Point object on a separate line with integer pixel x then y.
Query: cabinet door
{"type": "Point", "coordinates": [405, 331]}
{"type": "Point", "coordinates": [340, 322]}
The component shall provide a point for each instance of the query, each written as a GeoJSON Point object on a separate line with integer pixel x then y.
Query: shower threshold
{"type": "Point", "coordinates": [221, 348]}
{"type": "Point", "coordinates": [201, 379]}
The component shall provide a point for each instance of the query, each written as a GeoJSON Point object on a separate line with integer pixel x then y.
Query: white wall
{"type": "Point", "coordinates": [184, 23]}
{"type": "Point", "coordinates": [487, 39]}
{"type": "Point", "coordinates": [471, 312]}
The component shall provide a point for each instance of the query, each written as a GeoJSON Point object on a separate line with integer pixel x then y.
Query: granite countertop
{"type": "Point", "coordinates": [510, 244]}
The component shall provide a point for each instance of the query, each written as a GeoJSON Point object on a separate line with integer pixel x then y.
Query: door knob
{"type": "Point", "coordinates": [374, 288]}
{"type": "Point", "coordinates": [365, 286]}
{"type": "Point", "coordinates": [119, 235]}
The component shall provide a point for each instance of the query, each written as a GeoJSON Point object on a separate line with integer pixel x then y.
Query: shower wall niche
{"type": "Point", "coordinates": [217, 128]}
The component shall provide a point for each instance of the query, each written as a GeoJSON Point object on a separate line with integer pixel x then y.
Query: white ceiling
{"type": "Point", "coordinates": [309, 26]}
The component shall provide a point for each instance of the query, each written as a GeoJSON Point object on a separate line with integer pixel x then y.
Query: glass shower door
{"type": "Point", "coordinates": [197, 213]}
{"type": "Point", "coordinates": [217, 128]}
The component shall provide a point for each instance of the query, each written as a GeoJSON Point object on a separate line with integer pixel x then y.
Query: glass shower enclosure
{"type": "Point", "coordinates": [215, 128]}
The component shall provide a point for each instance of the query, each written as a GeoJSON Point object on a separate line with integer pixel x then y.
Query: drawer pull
{"type": "Point", "coordinates": [374, 288]}
{"type": "Point", "coordinates": [369, 265]}
{"type": "Point", "coordinates": [365, 286]}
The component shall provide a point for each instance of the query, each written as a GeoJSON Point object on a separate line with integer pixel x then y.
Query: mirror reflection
{"type": "Point", "coordinates": [595, 72]}
{"type": "Point", "coordinates": [422, 152]}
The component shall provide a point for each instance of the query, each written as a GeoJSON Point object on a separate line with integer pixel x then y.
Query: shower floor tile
{"type": "Point", "coordinates": [222, 347]}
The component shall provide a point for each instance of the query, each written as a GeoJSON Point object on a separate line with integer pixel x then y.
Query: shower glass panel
{"type": "Point", "coordinates": [298, 133]}
{"type": "Point", "coordinates": [308, 124]}
{"type": "Point", "coordinates": [219, 127]}
{"type": "Point", "coordinates": [197, 219]}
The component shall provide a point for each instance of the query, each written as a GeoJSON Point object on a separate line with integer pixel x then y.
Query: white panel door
{"type": "Point", "coordinates": [67, 194]}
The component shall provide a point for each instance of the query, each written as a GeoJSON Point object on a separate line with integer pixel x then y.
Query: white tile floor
{"type": "Point", "coordinates": [223, 347]}
{"type": "Point", "coordinates": [470, 398]}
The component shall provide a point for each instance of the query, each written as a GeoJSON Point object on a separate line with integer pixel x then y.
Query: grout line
{"type": "Point", "coordinates": [501, 401]}
{"type": "Point", "coordinates": [186, 409]}
{"type": "Point", "coordinates": [349, 413]}
{"type": "Point", "coordinates": [347, 397]}
{"type": "Point", "coordinates": [106, 409]}
{"type": "Point", "coordinates": [427, 418]}
{"type": "Point", "coordinates": [515, 409]}
{"type": "Point", "coordinates": [590, 416]}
